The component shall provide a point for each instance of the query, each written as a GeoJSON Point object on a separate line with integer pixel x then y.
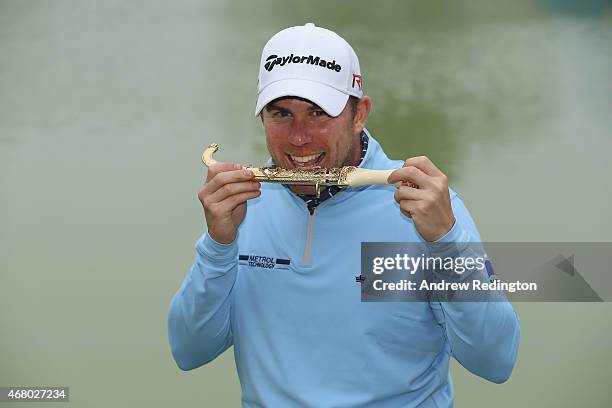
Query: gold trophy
{"type": "Point", "coordinates": [346, 176]}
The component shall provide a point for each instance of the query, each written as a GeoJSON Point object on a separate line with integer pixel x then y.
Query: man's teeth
{"type": "Point", "coordinates": [305, 159]}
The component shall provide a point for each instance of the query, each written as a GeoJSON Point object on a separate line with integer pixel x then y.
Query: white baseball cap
{"type": "Point", "coordinates": [312, 63]}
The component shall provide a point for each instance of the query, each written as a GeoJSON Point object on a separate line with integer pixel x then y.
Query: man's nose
{"type": "Point", "coordinates": [299, 134]}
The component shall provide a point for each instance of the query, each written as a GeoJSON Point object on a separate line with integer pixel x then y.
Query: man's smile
{"type": "Point", "coordinates": [305, 161]}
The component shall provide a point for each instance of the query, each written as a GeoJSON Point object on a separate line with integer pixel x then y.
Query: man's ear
{"type": "Point", "coordinates": [361, 113]}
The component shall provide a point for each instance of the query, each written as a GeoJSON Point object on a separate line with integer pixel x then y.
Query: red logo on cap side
{"type": "Point", "coordinates": [357, 80]}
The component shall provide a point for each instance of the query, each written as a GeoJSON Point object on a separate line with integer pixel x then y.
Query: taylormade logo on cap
{"type": "Point", "coordinates": [273, 60]}
{"type": "Point", "coordinates": [312, 63]}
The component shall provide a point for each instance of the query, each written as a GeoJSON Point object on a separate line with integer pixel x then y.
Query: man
{"type": "Point", "coordinates": [274, 273]}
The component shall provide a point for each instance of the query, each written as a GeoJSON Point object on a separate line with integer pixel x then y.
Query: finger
{"type": "Point", "coordinates": [409, 193]}
{"type": "Point", "coordinates": [220, 167]}
{"type": "Point", "coordinates": [235, 200]}
{"type": "Point", "coordinates": [223, 178]}
{"type": "Point", "coordinates": [230, 189]}
{"type": "Point", "coordinates": [424, 164]}
{"type": "Point", "coordinates": [408, 207]}
{"type": "Point", "coordinates": [406, 183]}
{"type": "Point", "coordinates": [410, 174]}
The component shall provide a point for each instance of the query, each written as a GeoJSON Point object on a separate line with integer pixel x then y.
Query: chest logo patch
{"type": "Point", "coordinates": [264, 262]}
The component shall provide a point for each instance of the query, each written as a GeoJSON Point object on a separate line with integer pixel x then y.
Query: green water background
{"type": "Point", "coordinates": [105, 107]}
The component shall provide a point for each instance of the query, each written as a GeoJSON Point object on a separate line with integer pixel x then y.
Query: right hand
{"type": "Point", "coordinates": [224, 196]}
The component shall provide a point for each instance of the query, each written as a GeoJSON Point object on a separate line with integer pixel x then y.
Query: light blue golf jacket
{"type": "Point", "coordinates": [284, 295]}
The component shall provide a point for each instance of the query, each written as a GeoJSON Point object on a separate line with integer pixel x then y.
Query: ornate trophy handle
{"type": "Point", "coordinates": [207, 156]}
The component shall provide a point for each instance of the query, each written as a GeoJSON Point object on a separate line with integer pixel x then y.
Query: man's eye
{"type": "Point", "coordinates": [280, 114]}
{"type": "Point", "coordinates": [319, 113]}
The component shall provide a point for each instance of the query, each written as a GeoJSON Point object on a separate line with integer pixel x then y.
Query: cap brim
{"type": "Point", "coordinates": [327, 98]}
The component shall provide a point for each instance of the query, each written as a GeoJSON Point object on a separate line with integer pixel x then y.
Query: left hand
{"type": "Point", "coordinates": [428, 205]}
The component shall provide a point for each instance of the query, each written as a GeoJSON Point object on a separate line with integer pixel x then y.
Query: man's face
{"type": "Point", "coordinates": [300, 135]}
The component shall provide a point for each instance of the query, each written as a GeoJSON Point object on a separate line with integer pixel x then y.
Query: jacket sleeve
{"type": "Point", "coordinates": [199, 318]}
{"type": "Point", "coordinates": [484, 336]}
